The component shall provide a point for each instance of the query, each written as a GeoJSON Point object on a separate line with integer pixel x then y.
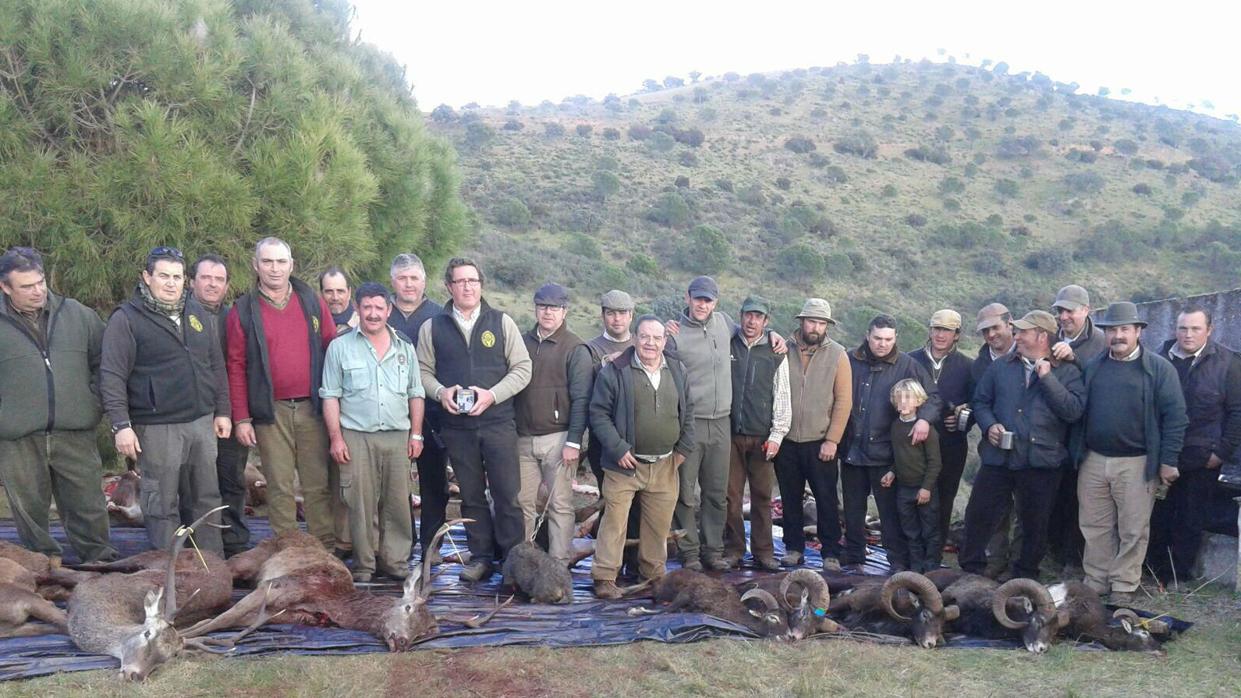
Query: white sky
{"type": "Point", "coordinates": [488, 51]}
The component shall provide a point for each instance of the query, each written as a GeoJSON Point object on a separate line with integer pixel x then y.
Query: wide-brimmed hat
{"type": "Point", "coordinates": [817, 309]}
{"type": "Point", "coordinates": [1120, 313]}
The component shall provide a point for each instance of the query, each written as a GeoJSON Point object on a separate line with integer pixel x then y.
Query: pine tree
{"type": "Point", "coordinates": [208, 124]}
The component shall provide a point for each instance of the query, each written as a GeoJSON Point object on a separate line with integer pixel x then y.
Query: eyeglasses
{"type": "Point", "coordinates": [166, 252]}
{"type": "Point", "coordinates": [548, 308]}
{"type": "Point", "coordinates": [463, 283]}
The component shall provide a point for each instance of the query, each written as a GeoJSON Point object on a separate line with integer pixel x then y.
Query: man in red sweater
{"type": "Point", "coordinates": [277, 334]}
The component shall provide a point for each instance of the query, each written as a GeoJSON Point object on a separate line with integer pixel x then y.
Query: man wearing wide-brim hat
{"type": "Point", "coordinates": [1125, 447]}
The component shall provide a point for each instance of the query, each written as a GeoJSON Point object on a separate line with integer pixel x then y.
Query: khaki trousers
{"type": "Point", "coordinates": [748, 464]}
{"type": "Point", "coordinates": [177, 463]}
{"type": "Point", "coordinates": [1114, 511]}
{"type": "Point", "coordinates": [296, 443]}
{"type": "Point", "coordinates": [63, 465]}
{"type": "Point", "coordinates": [375, 484]}
{"type": "Point", "coordinates": [541, 459]}
{"type": "Point", "coordinates": [656, 484]}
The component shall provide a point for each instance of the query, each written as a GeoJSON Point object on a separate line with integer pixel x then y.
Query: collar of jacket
{"type": "Point", "coordinates": [687, 319]}
{"type": "Point", "coordinates": [482, 307]}
{"type": "Point", "coordinates": [863, 353]}
{"type": "Point", "coordinates": [6, 308]}
{"type": "Point", "coordinates": [762, 338]}
{"type": "Point", "coordinates": [1014, 355]}
{"type": "Point", "coordinates": [554, 337]}
{"type": "Point", "coordinates": [1207, 350]}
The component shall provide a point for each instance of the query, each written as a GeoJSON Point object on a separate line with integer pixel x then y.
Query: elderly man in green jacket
{"type": "Point", "coordinates": [49, 407]}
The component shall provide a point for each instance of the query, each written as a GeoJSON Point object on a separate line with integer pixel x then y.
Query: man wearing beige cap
{"type": "Point", "coordinates": [995, 326]}
{"type": "Point", "coordinates": [951, 372]}
{"type": "Point", "coordinates": [1078, 341]}
{"type": "Point", "coordinates": [1126, 445]}
{"type": "Point", "coordinates": [1024, 405]}
{"type": "Point", "coordinates": [821, 392]}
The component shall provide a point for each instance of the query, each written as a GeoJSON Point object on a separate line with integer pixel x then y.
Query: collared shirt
{"type": "Point", "coordinates": [466, 324]}
{"type": "Point", "coordinates": [1132, 355]}
{"type": "Point", "coordinates": [374, 391]}
{"type": "Point", "coordinates": [653, 376]}
{"type": "Point", "coordinates": [995, 356]}
{"type": "Point", "coordinates": [1176, 351]}
{"type": "Point", "coordinates": [1075, 337]}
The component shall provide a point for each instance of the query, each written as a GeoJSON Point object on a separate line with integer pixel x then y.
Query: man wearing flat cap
{"type": "Point", "coordinates": [1025, 404]}
{"type": "Point", "coordinates": [551, 417]}
{"type": "Point", "coordinates": [1079, 341]}
{"type": "Point", "coordinates": [994, 324]}
{"type": "Point", "coordinates": [760, 419]}
{"type": "Point", "coordinates": [821, 395]}
{"type": "Point", "coordinates": [952, 374]}
{"type": "Point", "coordinates": [1126, 446]}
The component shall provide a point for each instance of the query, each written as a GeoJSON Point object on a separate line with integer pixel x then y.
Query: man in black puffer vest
{"type": "Point", "coordinates": [473, 362]}
{"type": "Point", "coordinates": [165, 391]}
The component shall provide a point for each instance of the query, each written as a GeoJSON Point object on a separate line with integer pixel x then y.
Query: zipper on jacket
{"type": "Point", "coordinates": [47, 361]}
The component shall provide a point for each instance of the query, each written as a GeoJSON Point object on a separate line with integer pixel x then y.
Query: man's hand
{"type": "Point", "coordinates": [483, 398]}
{"type": "Point", "coordinates": [921, 430]}
{"type": "Point", "coordinates": [672, 327]}
{"type": "Point", "coordinates": [778, 345]}
{"type": "Point", "coordinates": [1062, 351]}
{"type": "Point", "coordinates": [570, 455]}
{"type": "Point", "coordinates": [770, 449]}
{"type": "Point", "coordinates": [338, 450]}
{"type": "Point", "coordinates": [678, 459]}
{"type": "Point", "coordinates": [1214, 462]}
{"type": "Point", "coordinates": [1168, 474]}
{"type": "Point", "coordinates": [126, 441]}
{"type": "Point", "coordinates": [995, 433]}
{"type": "Point", "coordinates": [1042, 367]}
{"type": "Point", "coordinates": [244, 433]}
{"type": "Point", "coordinates": [223, 427]}
{"type": "Point", "coordinates": [627, 461]}
{"type": "Point", "coordinates": [827, 450]}
{"type": "Point", "coordinates": [950, 421]}
{"type": "Point", "coordinates": [448, 399]}
{"type": "Point", "coordinates": [887, 479]}
{"type": "Point", "coordinates": [924, 496]}
{"type": "Point", "coordinates": [415, 447]}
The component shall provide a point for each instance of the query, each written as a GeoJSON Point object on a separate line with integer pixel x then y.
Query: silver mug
{"type": "Point", "coordinates": [465, 400]}
{"type": "Point", "coordinates": [963, 419]}
{"type": "Point", "coordinates": [1006, 441]}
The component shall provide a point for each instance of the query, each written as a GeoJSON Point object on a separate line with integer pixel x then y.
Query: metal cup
{"type": "Point", "coordinates": [1006, 441]}
{"type": "Point", "coordinates": [465, 400]}
{"type": "Point", "coordinates": [963, 419]}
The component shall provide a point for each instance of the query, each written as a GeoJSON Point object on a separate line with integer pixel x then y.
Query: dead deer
{"type": "Point", "coordinates": [19, 602]}
{"type": "Point", "coordinates": [54, 581]}
{"type": "Point", "coordinates": [311, 586]}
{"type": "Point", "coordinates": [130, 616]}
{"type": "Point", "coordinates": [124, 507]}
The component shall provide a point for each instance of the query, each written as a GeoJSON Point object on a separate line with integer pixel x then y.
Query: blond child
{"type": "Point", "coordinates": [915, 470]}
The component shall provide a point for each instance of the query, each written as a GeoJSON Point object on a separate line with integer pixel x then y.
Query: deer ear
{"type": "Point", "coordinates": [153, 600]}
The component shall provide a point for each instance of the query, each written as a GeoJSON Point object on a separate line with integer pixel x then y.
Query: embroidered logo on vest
{"type": "Point", "coordinates": [488, 339]}
{"type": "Point", "coordinates": [314, 321]}
{"type": "Point", "coordinates": [196, 323]}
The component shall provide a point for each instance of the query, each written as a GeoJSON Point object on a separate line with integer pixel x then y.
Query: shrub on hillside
{"type": "Point", "coordinates": [551, 129]}
{"type": "Point", "coordinates": [888, 191]}
{"type": "Point", "coordinates": [859, 143]}
{"type": "Point", "coordinates": [605, 183]}
{"type": "Point", "coordinates": [1083, 156]}
{"type": "Point", "coordinates": [799, 144]}
{"type": "Point", "coordinates": [517, 269]}
{"type": "Point", "coordinates": [670, 210]}
{"type": "Point", "coordinates": [688, 159]}
{"type": "Point", "coordinates": [1126, 146]}
{"type": "Point", "coordinates": [443, 114]}
{"type": "Point", "coordinates": [661, 142]}
{"type": "Point", "coordinates": [1011, 147]}
{"type": "Point", "coordinates": [583, 245]}
{"type": "Point", "coordinates": [835, 174]}
{"type": "Point", "coordinates": [1084, 182]}
{"type": "Point", "coordinates": [752, 194]}
{"type": "Point", "coordinates": [513, 125]}
{"type": "Point", "coordinates": [513, 213]}
{"type": "Point", "coordinates": [1142, 189]}
{"type": "Point", "coordinates": [724, 184]}
{"type": "Point", "coordinates": [933, 154]}
{"type": "Point", "coordinates": [639, 132]}
{"type": "Point", "coordinates": [967, 235]}
{"type": "Point", "coordinates": [915, 220]}
{"type": "Point", "coordinates": [704, 250]}
{"type": "Point", "coordinates": [817, 160]}
{"type": "Point", "coordinates": [783, 183]}
{"type": "Point", "coordinates": [643, 264]}
{"type": "Point", "coordinates": [689, 136]}
{"type": "Point", "coordinates": [1213, 168]}
{"type": "Point", "coordinates": [800, 261]}
{"type": "Point", "coordinates": [611, 134]}
{"type": "Point", "coordinates": [478, 135]}
{"type": "Point", "coordinates": [681, 182]}
{"type": "Point", "coordinates": [951, 185]}
{"type": "Point", "coordinates": [584, 130]}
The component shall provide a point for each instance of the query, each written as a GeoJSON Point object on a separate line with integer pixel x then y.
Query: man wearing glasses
{"type": "Point", "coordinates": [165, 392]}
{"type": "Point", "coordinates": [551, 417]}
{"type": "Point", "coordinates": [277, 335]}
{"type": "Point", "coordinates": [473, 362]}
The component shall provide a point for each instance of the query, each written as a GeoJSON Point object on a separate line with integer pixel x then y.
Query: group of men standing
{"type": "Point", "coordinates": [343, 390]}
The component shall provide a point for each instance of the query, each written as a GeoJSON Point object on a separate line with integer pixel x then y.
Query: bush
{"type": "Point", "coordinates": [690, 136]}
{"type": "Point", "coordinates": [670, 210]}
{"type": "Point", "coordinates": [835, 174]}
{"type": "Point", "coordinates": [800, 261]}
{"type": "Point", "coordinates": [1213, 168]}
{"type": "Point", "coordinates": [817, 160]}
{"type": "Point", "coordinates": [752, 194]}
{"type": "Point", "coordinates": [661, 142]}
{"type": "Point", "coordinates": [1142, 189]}
{"type": "Point", "coordinates": [1011, 147]}
{"type": "Point", "coordinates": [799, 144]}
{"type": "Point", "coordinates": [643, 264]}
{"type": "Point", "coordinates": [1083, 156]}
{"type": "Point", "coordinates": [968, 235]}
{"type": "Point", "coordinates": [915, 220]}
{"type": "Point", "coordinates": [1084, 182]}
{"type": "Point", "coordinates": [584, 130]}
{"type": "Point", "coordinates": [933, 154]}
{"type": "Point", "coordinates": [443, 114]}
{"type": "Point", "coordinates": [513, 125]}
{"type": "Point", "coordinates": [837, 264]}
{"type": "Point", "coordinates": [639, 132]}
{"type": "Point", "coordinates": [551, 129]}
{"type": "Point", "coordinates": [583, 245]}
{"type": "Point", "coordinates": [607, 162]}
{"type": "Point", "coordinates": [681, 182]}
{"type": "Point", "coordinates": [605, 184]}
{"type": "Point", "coordinates": [515, 270]}
{"type": "Point", "coordinates": [783, 183]}
{"type": "Point", "coordinates": [859, 143]}
{"type": "Point", "coordinates": [513, 213]}
{"type": "Point", "coordinates": [611, 134]}
{"type": "Point", "coordinates": [1049, 260]}
{"type": "Point", "coordinates": [812, 221]}
{"type": "Point", "coordinates": [951, 185]}
{"type": "Point", "coordinates": [704, 250]}
{"type": "Point", "coordinates": [478, 134]}
{"type": "Point", "coordinates": [1125, 146]}
{"type": "Point", "coordinates": [688, 159]}
{"type": "Point", "coordinates": [724, 185]}
{"type": "Point", "coordinates": [888, 191]}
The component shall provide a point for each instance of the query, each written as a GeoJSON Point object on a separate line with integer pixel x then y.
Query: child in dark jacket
{"type": "Point", "coordinates": [915, 470]}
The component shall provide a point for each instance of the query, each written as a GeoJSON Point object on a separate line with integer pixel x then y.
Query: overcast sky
{"type": "Point", "coordinates": [1178, 53]}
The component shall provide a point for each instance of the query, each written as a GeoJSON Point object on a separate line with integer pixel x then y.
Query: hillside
{"type": "Point", "coordinates": [902, 188]}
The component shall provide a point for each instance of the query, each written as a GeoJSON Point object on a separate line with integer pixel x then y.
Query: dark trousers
{"type": "Point", "coordinates": [797, 464]}
{"type": "Point", "coordinates": [952, 452]}
{"type": "Point", "coordinates": [1064, 534]}
{"type": "Point", "coordinates": [994, 488]}
{"type": "Point", "coordinates": [230, 469]}
{"type": "Point", "coordinates": [858, 482]}
{"type": "Point", "coordinates": [920, 524]}
{"type": "Point", "coordinates": [432, 488]}
{"type": "Point", "coordinates": [1177, 523]}
{"type": "Point", "coordinates": [486, 458]}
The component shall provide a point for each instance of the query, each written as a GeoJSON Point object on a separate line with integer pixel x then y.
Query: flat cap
{"type": "Point", "coordinates": [1038, 320]}
{"type": "Point", "coordinates": [552, 294]}
{"type": "Point", "coordinates": [947, 319]}
{"type": "Point", "coordinates": [991, 315]}
{"type": "Point", "coordinates": [616, 300]}
{"type": "Point", "coordinates": [1071, 297]}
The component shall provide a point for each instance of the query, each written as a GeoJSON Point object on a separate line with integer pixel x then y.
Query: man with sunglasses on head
{"type": "Point", "coordinates": [49, 407]}
{"type": "Point", "coordinates": [165, 392]}
{"type": "Point", "coordinates": [277, 336]}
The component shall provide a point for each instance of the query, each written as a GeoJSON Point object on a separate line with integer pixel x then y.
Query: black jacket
{"type": "Point", "coordinates": [868, 438]}
{"type": "Point", "coordinates": [611, 409]}
{"type": "Point", "coordinates": [955, 386]}
{"type": "Point", "coordinates": [1165, 411]}
{"type": "Point", "coordinates": [1213, 404]}
{"type": "Point", "coordinates": [1039, 415]}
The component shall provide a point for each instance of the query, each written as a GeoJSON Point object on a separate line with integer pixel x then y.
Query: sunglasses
{"type": "Point", "coordinates": [166, 252]}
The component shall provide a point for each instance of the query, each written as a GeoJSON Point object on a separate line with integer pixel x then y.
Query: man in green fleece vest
{"type": "Point", "coordinates": [49, 404]}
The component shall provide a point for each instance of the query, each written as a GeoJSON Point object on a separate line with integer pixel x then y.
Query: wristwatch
{"type": "Point", "coordinates": [416, 437]}
{"type": "Point", "coordinates": [120, 427]}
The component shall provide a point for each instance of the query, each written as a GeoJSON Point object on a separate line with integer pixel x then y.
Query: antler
{"type": "Point", "coordinates": [170, 581]}
{"type": "Point", "coordinates": [421, 580]}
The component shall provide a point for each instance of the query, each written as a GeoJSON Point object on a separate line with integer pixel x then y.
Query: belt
{"type": "Point", "coordinates": [294, 399]}
{"type": "Point", "coordinates": [649, 460]}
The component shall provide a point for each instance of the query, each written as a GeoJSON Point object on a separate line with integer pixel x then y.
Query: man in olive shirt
{"type": "Point", "coordinates": [373, 405]}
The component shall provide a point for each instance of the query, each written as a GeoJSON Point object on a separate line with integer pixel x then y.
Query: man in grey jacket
{"type": "Point", "coordinates": [49, 404]}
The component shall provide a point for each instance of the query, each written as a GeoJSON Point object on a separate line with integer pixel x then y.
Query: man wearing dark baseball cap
{"type": "Point", "coordinates": [551, 418]}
